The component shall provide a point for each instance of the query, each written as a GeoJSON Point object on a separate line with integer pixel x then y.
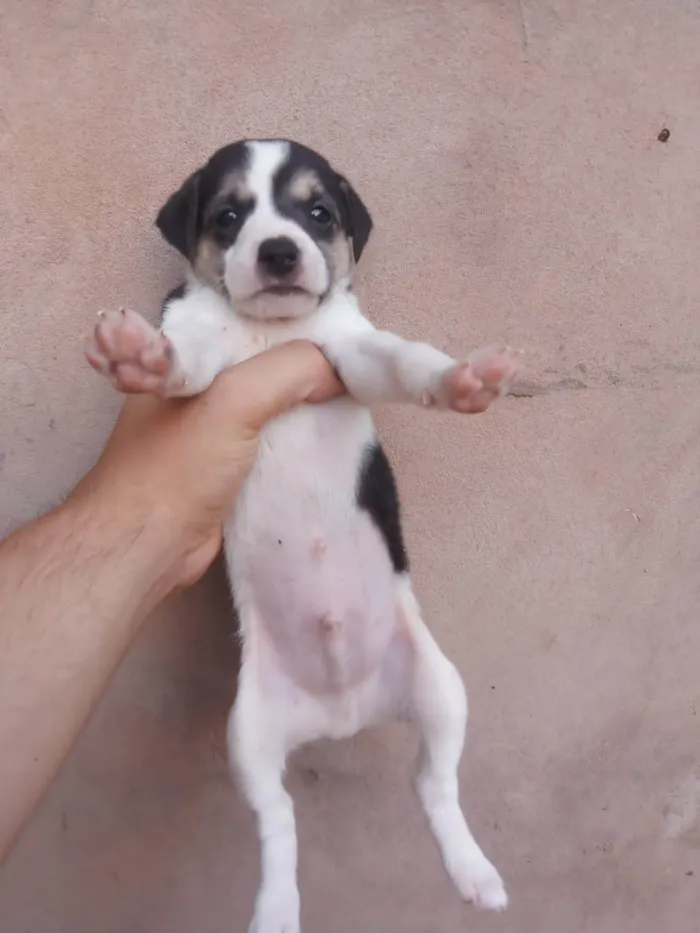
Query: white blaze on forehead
{"type": "Point", "coordinates": [266, 157]}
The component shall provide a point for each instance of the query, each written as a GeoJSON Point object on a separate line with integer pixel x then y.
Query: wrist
{"type": "Point", "coordinates": [139, 542]}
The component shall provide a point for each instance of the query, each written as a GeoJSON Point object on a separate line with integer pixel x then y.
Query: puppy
{"type": "Point", "coordinates": [333, 637]}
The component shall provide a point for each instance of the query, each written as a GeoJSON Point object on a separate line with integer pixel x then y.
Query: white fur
{"type": "Point", "coordinates": [333, 640]}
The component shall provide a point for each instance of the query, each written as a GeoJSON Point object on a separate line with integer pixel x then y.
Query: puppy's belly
{"type": "Point", "coordinates": [324, 596]}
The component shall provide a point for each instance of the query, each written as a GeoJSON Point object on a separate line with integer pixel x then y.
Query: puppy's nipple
{"type": "Point", "coordinates": [330, 624]}
{"type": "Point", "coordinates": [319, 546]}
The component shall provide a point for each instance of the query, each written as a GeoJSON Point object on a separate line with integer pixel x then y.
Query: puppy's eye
{"type": "Point", "coordinates": [320, 215]}
{"type": "Point", "coordinates": [226, 220]}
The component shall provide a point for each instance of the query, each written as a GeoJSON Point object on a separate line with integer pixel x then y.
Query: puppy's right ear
{"type": "Point", "coordinates": [177, 218]}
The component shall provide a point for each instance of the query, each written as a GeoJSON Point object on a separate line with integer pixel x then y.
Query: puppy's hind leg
{"type": "Point", "coordinates": [257, 750]}
{"type": "Point", "coordinates": [438, 709]}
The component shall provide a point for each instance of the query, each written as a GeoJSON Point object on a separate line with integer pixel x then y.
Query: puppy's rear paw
{"type": "Point", "coordinates": [133, 355]}
{"type": "Point", "coordinates": [276, 911]}
{"type": "Point", "coordinates": [479, 883]}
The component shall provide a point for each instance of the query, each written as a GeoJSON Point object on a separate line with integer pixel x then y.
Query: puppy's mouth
{"type": "Point", "coordinates": [283, 290]}
{"type": "Point", "coordinates": [278, 303]}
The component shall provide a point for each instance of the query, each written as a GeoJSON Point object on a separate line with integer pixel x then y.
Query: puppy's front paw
{"type": "Point", "coordinates": [133, 355]}
{"type": "Point", "coordinates": [470, 387]}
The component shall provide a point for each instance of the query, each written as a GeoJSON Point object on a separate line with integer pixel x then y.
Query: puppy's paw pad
{"type": "Point", "coordinates": [496, 367]}
{"type": "Point", "coordinates": [130, 352]}
{"type": "Point", "coordinates": [470, 387]}
{"type": "Point", "coordinates": [462, 390]}
{"type": "Point", "coordinates": [480, 884]}
{"type": "Point", "coordinates": [126, 337]}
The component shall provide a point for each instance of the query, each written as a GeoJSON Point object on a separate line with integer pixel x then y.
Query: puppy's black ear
{"type": "Point", "coordinates": [360, 225]}
{"type": "Point", "coordinates": [177, 218]}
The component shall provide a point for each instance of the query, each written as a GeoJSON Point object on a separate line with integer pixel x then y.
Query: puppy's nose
{"type": "Point", "coordinates": [278, 256]}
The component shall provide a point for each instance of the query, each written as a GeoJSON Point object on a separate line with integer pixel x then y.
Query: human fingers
{"type": "Point", "coordinates": [272, 382]}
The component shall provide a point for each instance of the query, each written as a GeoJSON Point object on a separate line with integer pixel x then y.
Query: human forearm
{"type": "Point", "coordinates": [75, 584]}
{"type": "Point", "coordinates": [73, 587]}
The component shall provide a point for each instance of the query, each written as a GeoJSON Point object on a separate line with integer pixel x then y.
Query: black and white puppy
{"type": "Point", "coordinates": [333, 637]}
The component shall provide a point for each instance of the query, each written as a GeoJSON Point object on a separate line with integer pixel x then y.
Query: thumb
{"type": "Point", "coordinates": [269, 384]}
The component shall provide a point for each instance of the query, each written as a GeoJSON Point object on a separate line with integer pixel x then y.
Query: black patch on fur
{"type": "Point", "coordinates": [199, 200]}
{"type": "Point", "coordinates": [177, 218]}
{"type": "Point", "coordinates": [339, 197]}
{"type": "Point", "coordinates": [360, 225]}
{"type": "Point", "coordinates": [174, 294]}
{"type": "Point", "coordinates": [377, 495]}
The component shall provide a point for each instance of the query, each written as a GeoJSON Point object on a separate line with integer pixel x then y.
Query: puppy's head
{"type": "Point", "coordinates": [270, 223]}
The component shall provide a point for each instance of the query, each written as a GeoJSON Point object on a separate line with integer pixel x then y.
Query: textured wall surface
{"type": "Point", "coordinates": [509, 153]}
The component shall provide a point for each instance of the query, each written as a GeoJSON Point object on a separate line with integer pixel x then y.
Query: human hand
{"type": "Point", "coordinates": [177, 465]}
